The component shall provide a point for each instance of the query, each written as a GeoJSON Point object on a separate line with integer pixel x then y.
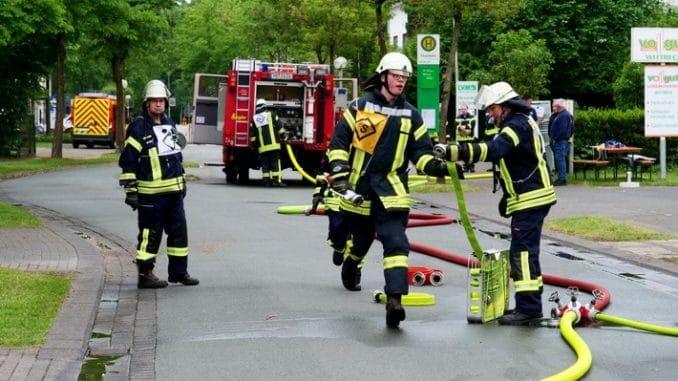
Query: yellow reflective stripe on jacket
{"type": "Point", "coordinates": [356, 167]}
{"type": "Point", "coordinates": [350, 119]}
{"type": "Point", "coordinates": [128, 176]}
{"type": "Point", "coordinates": [175, 184]}
{"type": "Point", "coordinates": [492, 131]}
{"type": "Point", "coordinates": [396, 184]}
{"type": "Point", "coordinates": [531, 199]}
{"type": "Point", "coordinates": [362, 209]}
{"type": "Point", "coordinates": [538, 148]}
{"type": "Point", "coordinates": [420, 131]}
{"type": "Point", "coordinates": [154, 159]}
{"type": "Point", "coordinates": [134, 143]}
{"type": "Point", "coordinates": [395, 262]}
{"type": "Point", "coordinates": [177, 251]}
{"type": "Point", "coordinates": [332, 203]}
{"type": "Point", "coordinates": [423, 160]}
{"type": "Point", "coordinates": [398, 202]}
{"type": "Point", "coordinates": [405, 128]}
{"type": "Point", "coordinates": [337, 154]}
{"type": "Point", "coordinates": [512, 135]}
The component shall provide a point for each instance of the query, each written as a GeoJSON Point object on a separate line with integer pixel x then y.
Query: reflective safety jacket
{"type": "Point", "coordinates": [373, 143]}
{"type": "Point", "coordinates": [519, 149]}
{"type": "Point", "coordinates": [466, 124]}
{"type": "Point", "coordinates": [152, 157]}
{"type": "Point", "coordinates": [263, 132]}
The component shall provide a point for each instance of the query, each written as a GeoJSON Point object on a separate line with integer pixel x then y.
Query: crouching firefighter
{"type": "Point", "coordinates": [372, 145]}
{"type": "Point", "coordinates": [155, 185]}
{"type": "Point", "coordinates": [528, 192]}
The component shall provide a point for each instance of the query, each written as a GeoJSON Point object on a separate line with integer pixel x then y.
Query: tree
{"type": "Point", "coordinates": [120, 26]}
{"type": "Point", "coordinates": [447, 18]}
{"type": "Point", "coordinates": [28, 33]}
{"type": "Point", "coordinates": [628, 89]}
{"type": "Point", "coordinates": [520, 61]}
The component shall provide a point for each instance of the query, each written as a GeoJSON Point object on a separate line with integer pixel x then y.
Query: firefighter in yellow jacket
{"type": "Point", "coordinates": [265, 136]}
{"type": "Point", "coordinates": [528, 192]}
{"type": "Point", "coordinates": [155, 184]}
{"type": "Point", "coordinates": [372, 145]}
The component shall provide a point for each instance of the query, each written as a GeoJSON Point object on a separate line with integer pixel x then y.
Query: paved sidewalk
{"type": "Point", "coordinates": [104, 315]}
{"type": "Point", "coordinates": [104, 298]}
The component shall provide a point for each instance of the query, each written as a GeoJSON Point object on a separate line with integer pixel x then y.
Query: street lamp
{"type": "Point", "coordinates": [340, 64]}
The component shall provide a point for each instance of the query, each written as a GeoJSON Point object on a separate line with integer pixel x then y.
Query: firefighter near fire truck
{"type": "Point", "coordinates": [373, 143]}
{"type": "Point", "coordinates": [527, 190]}
{"type": "Point", "coordinates": [265, 135]}
{"type": "Point", "coordinates": [154, 181]}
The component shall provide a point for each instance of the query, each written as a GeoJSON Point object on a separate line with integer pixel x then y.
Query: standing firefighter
{"type": "Point", "coordinates": [373, 143]}
{"type": "Point", "coordinates": [528, 193]}
{"type": "Point", "coordinates": [153, 177]}
{"type": "Point", "coordinates": [264, 135]}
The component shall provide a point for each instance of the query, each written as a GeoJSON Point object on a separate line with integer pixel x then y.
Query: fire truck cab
{"type": "Point", "coordinates": [93, 118]}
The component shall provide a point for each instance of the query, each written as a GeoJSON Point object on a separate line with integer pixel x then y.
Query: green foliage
{"type": "Point", "coordinates": [629, 87]}
{"type": "Point", "coordinates": [513, 53]}
{"type": "Point", "coordinates": [29, 302]}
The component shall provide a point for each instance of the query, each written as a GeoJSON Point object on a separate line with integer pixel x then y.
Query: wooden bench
{"type": "Point", "coordinates": [596, 165]}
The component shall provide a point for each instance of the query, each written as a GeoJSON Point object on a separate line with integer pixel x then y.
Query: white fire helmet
{"type": "Point", "coordinates": [496, 93]}
{"type": "Point", "coordinates": [261, 102]}
{"type": "Point", "coordinates": [396, 63]}
{"type": "Point", "coordinates": [156, 89]}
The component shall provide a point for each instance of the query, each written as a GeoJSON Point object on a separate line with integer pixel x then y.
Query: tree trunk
{"type": "Point", "coordinates": [57, 142]}
{"type": "Point", "coordinates": [380, 27]}
{"type": "Point", "coordinates": [118, 62]}
{"type": "Point", "coordinates": [450, 76]}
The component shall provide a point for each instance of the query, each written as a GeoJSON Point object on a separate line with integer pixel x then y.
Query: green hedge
{"type": "Point", "coordinates": [595, 126]}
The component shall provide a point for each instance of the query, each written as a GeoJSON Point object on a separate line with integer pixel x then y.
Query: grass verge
{"type": "Point", "coordinates": [29, 302]}
{"type": "Point", "coordinates": [14, 217]}
{"type": "Point", "coordinates": [26, 167]}
{"type": "Point", "coordinates": [604, 229]}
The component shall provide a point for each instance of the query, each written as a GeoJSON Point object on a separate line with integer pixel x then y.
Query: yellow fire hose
{"type": "Point", "coordinates": [584, 358]}
{"type": "Point", "coordinates": [636, 324]}
{"type": "Point", "coordinates": [296, 165]}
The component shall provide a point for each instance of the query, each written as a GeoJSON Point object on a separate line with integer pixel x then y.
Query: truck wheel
{"type": "Point", "coordinates": [231, 175]}
{"type": "Point", "coordinates": [89, 145]}
{"type": "Point", "coordinates": [76, 144]}
{"type": "Point", "coordinates": [111, 145]}
{"type": "Point", "coordinates": [244, 175]}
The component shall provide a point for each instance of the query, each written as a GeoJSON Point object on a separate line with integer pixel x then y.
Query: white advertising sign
{"type": "Point", "coordinates": [466, 94]}
{"type": "Point", "coordinates": [428, 49]}
{"type": "Point", "coordinates": [654, 45]}
{"type": "Point", "coordinates": [661, 101]}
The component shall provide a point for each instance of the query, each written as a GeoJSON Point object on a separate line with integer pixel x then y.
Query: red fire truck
{"type": "Point", "coordinates": [303, 97]}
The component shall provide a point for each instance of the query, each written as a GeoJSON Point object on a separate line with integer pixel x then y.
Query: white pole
{"type": "Point", "coordinates": [662, 157]}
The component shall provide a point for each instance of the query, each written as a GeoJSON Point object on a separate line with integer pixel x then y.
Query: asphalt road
{"type": "Point", "coordinates": [270, 304]}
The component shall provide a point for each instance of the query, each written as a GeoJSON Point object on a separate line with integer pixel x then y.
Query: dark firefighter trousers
{"type": "Point", "coordinates": [270, 166]}
{"type": "Point", "coordinates": [526, 227]}
{"type": "Point", "coordinates": [337, 230]}
{"type": "Point", "coordinates": [158, 214]}
{"type": "Point", "coordinates": [390, 228]}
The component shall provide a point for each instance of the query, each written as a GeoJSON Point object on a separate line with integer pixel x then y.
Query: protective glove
{"type": "Point", "coordinates": [448, 152]}
{"type": "Point", "coordinates": [341, 185]}
{"type": "Point", "coordinates": [132, 197]}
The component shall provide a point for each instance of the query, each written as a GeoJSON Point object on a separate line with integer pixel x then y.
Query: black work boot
{"type": "Point", "coordinates": [395, 313]}
{"type": "Point", "coordinates": [338, 257]}
{"type": "Point", "coordinates": [350, 275]}
{"type": "Point", "coordinates": [519, 318]}
{"type": "Point", "coordinates": [148, 280]}
{"type": "Point", "coordinates": [185, 279]}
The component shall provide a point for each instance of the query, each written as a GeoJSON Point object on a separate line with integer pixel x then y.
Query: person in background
{"type": "Point", "coordinates": [372, 145]}
{"type": "Point", "coordinates": [466, 122]}
{"type": "Point", "coordinates": [533, 113]}
{"type": "Point", "coordinates": [561, 128]}
{"type": "Point", "coordinates": [265, 134]}
{"type": "Point", "coordinates": [154, 180]}
{"type": "Point", "coordinates": [528, 193]}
